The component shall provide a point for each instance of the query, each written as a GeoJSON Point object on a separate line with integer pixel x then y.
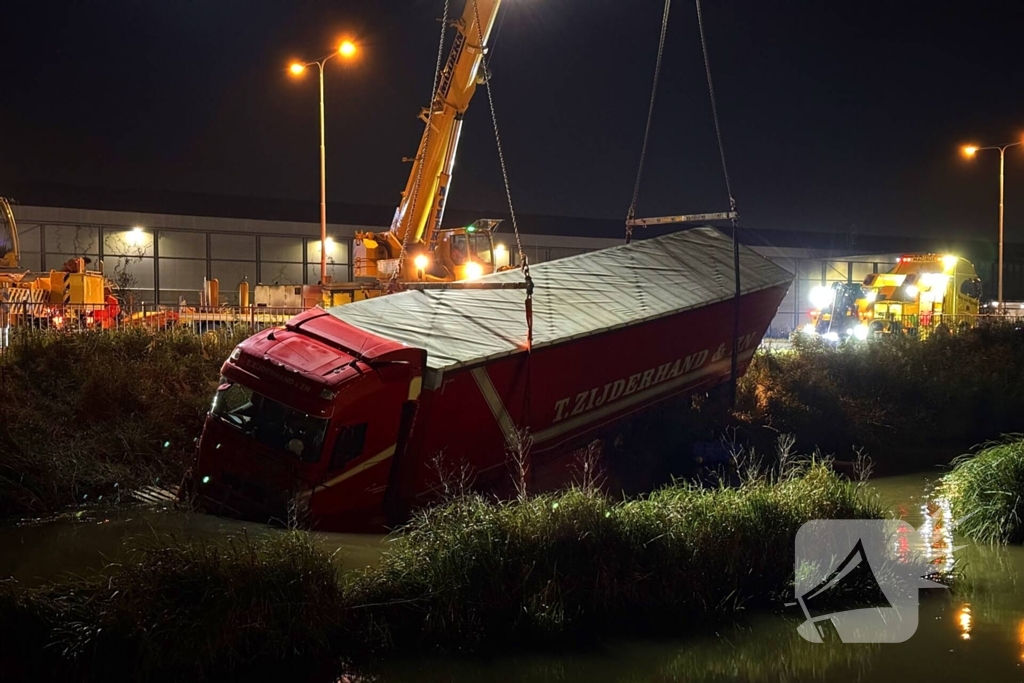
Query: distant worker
{"type": "Point", "coordinates": [71, 265]}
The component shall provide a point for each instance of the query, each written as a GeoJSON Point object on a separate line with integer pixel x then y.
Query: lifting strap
{"type": "Point", "coordinates": [631, 214]}
{"type": "Point", "coordinates": [523, 260]}
{"type": "Point", "coordinates": [733, 372]}
{"type": "Point", "coordinates": [732, 214]}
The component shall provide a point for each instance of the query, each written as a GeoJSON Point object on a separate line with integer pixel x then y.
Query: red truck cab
{"type": "Point", "coordinates": [302, 409]}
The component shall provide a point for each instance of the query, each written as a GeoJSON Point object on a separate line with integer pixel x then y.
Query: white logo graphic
{"type": "Point", "coordinates": [858, 580]}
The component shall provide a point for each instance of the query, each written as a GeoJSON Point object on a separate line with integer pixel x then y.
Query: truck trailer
{"type": "Point", "coordinates": [340, 413]}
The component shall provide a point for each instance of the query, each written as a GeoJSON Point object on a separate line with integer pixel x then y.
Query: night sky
{"type": "Point", "coordinates": [837, 115]}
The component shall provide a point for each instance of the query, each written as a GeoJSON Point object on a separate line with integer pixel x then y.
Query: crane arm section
{"type": "Point", "coordinates": [10, 254]}
{"type": "Point", "coordinates": [420, 211]}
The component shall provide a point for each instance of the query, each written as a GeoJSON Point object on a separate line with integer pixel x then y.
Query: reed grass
{"type": "Point", "coordinates": [471, 574]}
{"type": "Point", "coordinates": [985, 490]}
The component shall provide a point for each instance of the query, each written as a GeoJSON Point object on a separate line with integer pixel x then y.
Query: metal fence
{"type": "Point", "coordinates": [16, 316]}
{"type": "Point", "coordinates": [925, 325]}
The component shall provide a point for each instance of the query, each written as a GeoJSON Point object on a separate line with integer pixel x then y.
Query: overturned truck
{"type": "Point", "coordinates": [342, 411]}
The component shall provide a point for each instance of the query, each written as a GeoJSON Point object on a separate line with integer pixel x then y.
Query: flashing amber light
{"type": "Point", "coordinates": [474, 270]}
{"type": "Point", "coordinates": [347, 49]}
{"type": "Point", "coordinates": [949, 262]}
{"type": "Point", "coordinates": [970, 150]}
{"type": "Point", "coordinates": [297, 68]}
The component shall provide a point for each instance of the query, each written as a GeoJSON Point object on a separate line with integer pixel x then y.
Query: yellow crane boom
{"type": "Point", "coordinates": [459, 253]}
{"type": "Point", "coordinates": [420, 211]}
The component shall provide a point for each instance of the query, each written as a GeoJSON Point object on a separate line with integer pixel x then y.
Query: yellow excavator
{"type": "Point", "coordinates": [71, 296]}
{"type": "Point", "coordinates": [415, 249]}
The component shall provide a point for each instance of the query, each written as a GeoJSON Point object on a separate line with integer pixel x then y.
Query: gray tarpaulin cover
{"type": "Point", "coordinates": [573, 297]}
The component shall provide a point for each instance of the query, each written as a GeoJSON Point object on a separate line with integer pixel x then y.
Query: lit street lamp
{"type": "Point", "coordinates": [970, 151]}
{"type": "Point", "coordinates": [347, 50]}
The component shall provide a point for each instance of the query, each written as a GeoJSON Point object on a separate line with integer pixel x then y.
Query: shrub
{"type": "Point", "coordinates": [88, 414]}
{"type": "Point", "coordinates": [892, 393]}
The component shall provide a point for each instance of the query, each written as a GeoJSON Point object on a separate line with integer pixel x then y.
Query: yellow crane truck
{"type": "Point", "coordinates": [416, 249]}
{"type": "Point", "coordinates": [921, 294]}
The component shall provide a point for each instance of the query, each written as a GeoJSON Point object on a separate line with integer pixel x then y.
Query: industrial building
{"type": "Point", "coordinates": [161, 257]}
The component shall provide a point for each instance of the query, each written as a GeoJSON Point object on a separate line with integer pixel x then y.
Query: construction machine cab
{"type": "Point", "coordinates": [840, 308]}
{"type": "Point", "coordinates": [466, 253]}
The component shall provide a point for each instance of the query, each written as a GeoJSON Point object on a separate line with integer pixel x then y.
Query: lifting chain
{"type": "Point", "coordinates": [631, 214]}
{"type": "Point", "coordinates": [391, 286]}
{"type": "Point", "coordinates": [504, 175]}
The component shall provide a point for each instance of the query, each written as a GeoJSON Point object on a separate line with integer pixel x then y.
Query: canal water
{"type": "Point", "coordinates": [972, 633]}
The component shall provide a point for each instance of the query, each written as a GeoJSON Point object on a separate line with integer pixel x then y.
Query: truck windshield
{"type": "Point", "coordinates": [269, 422]}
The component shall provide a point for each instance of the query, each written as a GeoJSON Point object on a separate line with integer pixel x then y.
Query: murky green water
{"type": "Point", "coordinates": [975, 633]}
{"type": "Point", "coordinates": [32, 552]}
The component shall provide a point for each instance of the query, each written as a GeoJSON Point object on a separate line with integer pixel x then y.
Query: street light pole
{"type": "Point", "coordinates": [347, 50]}
{"type": "Point", "coordinates": [971, 150]}
{"type": "Point", "coordinates": [1002, 166]}
{"type": "Point", "coordinates": [323, 186]}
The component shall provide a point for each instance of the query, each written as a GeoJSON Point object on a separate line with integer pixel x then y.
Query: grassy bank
{"type": "Point", "coordinates": [88, 415]}
{"type": "Point", "coordinates": [985, 490]}
{"type": "Point", "coordinates": [83, 412]}
{"type": "Point", "coordinates": [468, 575]}
{"type": "Point", "coordinates": [890, 395]}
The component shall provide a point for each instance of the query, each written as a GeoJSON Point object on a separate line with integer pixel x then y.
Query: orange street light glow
{"type": "Point", "coordinates": [970, 150]}
{"type": "Point", "coordinates": [347, 48]}
{"type": "Point", "coordinates": [297, 68]}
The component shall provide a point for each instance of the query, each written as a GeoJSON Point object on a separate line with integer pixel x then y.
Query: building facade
{"type": "Point", "coordinates": [163, 259]}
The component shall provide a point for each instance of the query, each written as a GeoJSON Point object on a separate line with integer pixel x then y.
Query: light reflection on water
{"type": "Point", "coordinates": [974, 632]}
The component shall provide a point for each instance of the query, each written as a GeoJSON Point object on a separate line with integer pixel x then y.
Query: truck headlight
{"type": "Point", "coordinates": [474, 270]}
{"type": "Point", "coordinates": [861, 332]}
